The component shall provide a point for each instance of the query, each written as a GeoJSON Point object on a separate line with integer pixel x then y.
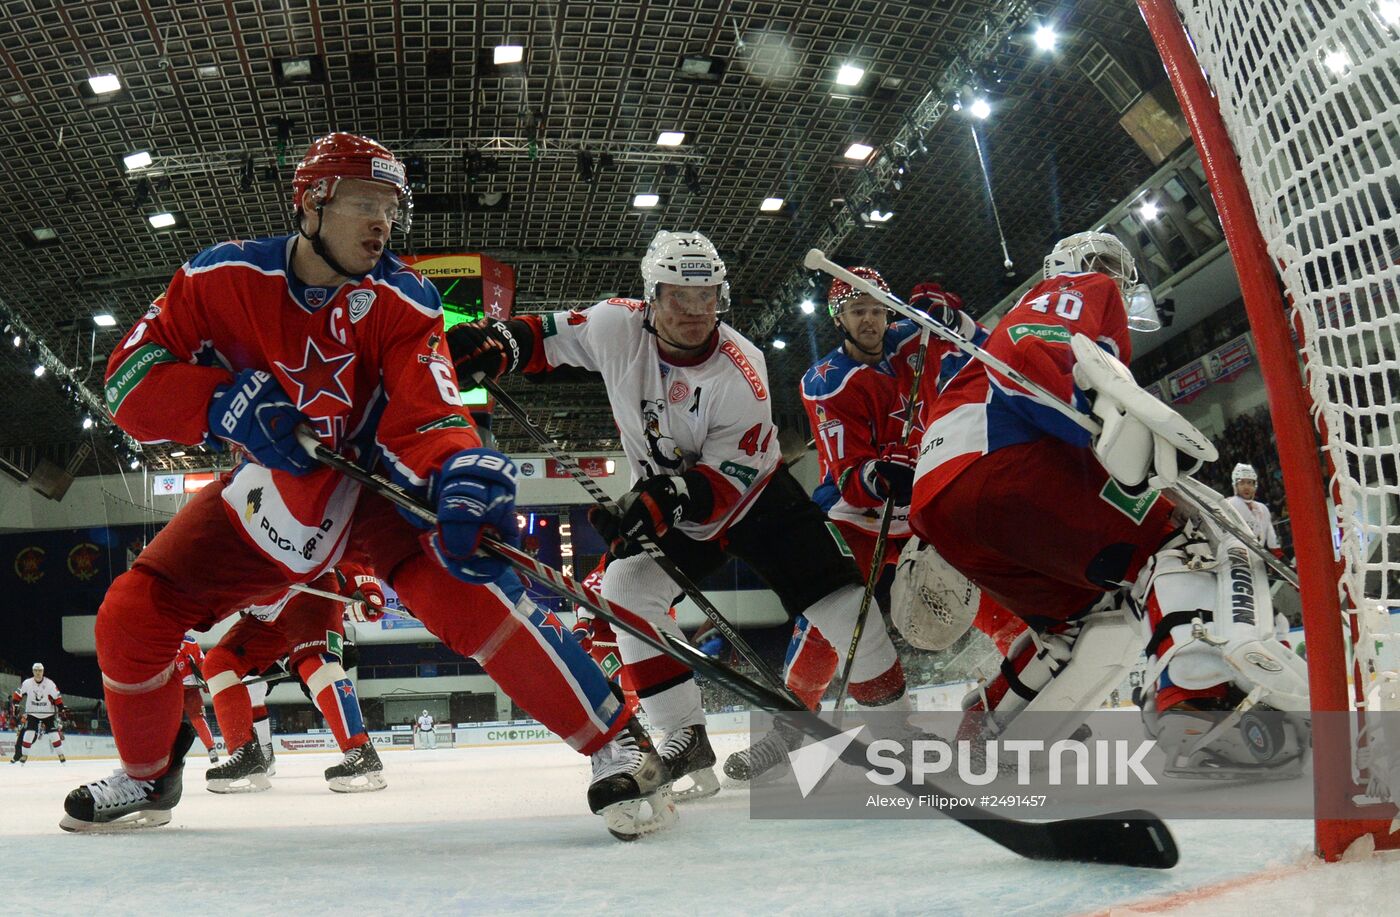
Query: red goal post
{"type": "Point", "coordinates": [1294, 106]}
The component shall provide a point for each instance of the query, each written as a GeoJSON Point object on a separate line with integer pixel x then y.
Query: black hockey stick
{"type": "Point", "coordinates": [1132, 838]}
{"type": "Point", "coordinates": [877, 558]}
{"type": "Point", "coordinates": [651, 548]}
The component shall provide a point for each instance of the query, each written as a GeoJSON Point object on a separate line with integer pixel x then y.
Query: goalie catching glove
{"type": "Point", "coordinates": [931, 603]}
{"type": "Point", "coordinates": [1142, 440]}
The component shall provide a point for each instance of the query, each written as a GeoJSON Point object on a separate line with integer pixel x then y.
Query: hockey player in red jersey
{"type": "Point", "coordinates": [857, 398]}
{"type": "Point", "coordinates": [691, 400]}
{"type": "Point", "coordinates": [307, 630]}
{"type": "Point", "coordinates": [326, 328]}
{"type": "Point", "coordinates": [1071, 533]}
{"type": "Point", "coordinates": [189, 668]}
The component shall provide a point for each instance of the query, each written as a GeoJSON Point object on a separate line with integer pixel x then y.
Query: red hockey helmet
{"type": "Point", "coordinates": [341, 155]}
{"type": "Point", "coordinates": [842, 292]}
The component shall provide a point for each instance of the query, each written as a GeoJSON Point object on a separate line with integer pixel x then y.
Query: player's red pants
{"type": "Point", "coordinates": [194, 712]}
{"type": "Point", "coordinates": [1028, 524]}
{"type": "Point", "coordinates": [199, 570]}
{"type": "Point", "coordinates": [301, 632]}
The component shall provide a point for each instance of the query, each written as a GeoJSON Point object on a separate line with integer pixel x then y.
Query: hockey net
{"type": "Point", "coordinates": [1309, 93]}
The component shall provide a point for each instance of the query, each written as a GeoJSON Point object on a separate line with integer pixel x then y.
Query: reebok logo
{"type": "Point", "coordinates": [811, 763]}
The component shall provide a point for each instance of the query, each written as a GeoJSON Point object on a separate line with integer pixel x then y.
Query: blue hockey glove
{"type": "Point", "coordinates": [475, 494]}
{"type": "Point", "coordinates": [254, 413]}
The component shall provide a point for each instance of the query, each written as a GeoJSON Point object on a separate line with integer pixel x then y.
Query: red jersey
{"type": "Point", "coordinates": [189, 662]}
{"type": "Point", "coordinates": [365, 362]}
{"type": "Point", "coordinates": [857, 409]}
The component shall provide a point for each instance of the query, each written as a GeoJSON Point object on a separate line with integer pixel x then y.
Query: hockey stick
{"type": "Point", "coordinates": [816, 260]}
{"type": "Point", "coordinates": [1132, 838]}
{"type": "Point", "coordinates": [650, 547]}
{"type": "Point", "coordinates": [877, 558]}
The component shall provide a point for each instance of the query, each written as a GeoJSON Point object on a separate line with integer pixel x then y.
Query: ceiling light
{"type": "Point", "coordinates": [308, 69]}
{"type": "Point", "coordinates": [507, 54]}
{"type": "Point", "coordinates": [44, 234]}
{"type": "Point", "coordinates": [178, 454]}
{"type": "Point", "coordinates": [876, 215]}
{"type": "Point", "coordinates": [646, 200]}
{"type": "Point", "coordinates": [807, 306]}
{"type": "Point", "coordinates": [1148, 210]}
{"type": "Point", "coordinates": [161, 220]}
{"type": "Point", "coordinates": [298, 68]}
{"type": "Point", "coordinates": [980, 108]}
{"type": "Point", "coordinates": [87, 423]}
{"type": "Point", "coordinates": [16, 340]}
{"type": "Point", "coordinates": [1337, 62]}
{"type": "Point", "coordinates": [850, 75]}
{"type": "Point", "coordinates": [104, 83]}
{"type": "Point", "coordinates": [701, 67]}
{"type": "Point", "coordinates": [779, 343]}
{"type": "Point", "coordinates": [138, 160]}
{"type": "Point", "coordinates": [208, 70]}
{"type": "Point", "coordinates": [670, 138]}
{"type": "Point", "coordinates": [858, 151]}
{"type": "Point", "coordinates": [134, 464]}
{"type": "Point", "coordinates": [39, 370]}
{"type": "Point", "coordinates": [771, 204]}
{"type": "Point", "coordinates": [1045, 38]}
{"type": "Point", "coordinates": [104, 320]}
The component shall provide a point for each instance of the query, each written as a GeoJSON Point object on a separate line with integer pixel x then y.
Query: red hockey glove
{"type": "Point", "coordinates": [938, 303]}
{"type": "Point", "coordinates": [583, 633]}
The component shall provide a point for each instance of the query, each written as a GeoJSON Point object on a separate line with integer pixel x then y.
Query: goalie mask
{"type": "Point", "coordinates": [931, 603]}
{"type": "Point", "coordinates": [1097, 252]}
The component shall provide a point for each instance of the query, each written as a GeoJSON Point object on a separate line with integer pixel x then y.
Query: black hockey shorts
{"type": "Point", "coordinates": [787, 541]}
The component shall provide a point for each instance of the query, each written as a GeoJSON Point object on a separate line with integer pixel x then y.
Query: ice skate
{"type": "Point", "coordinates": [62, 760]}
{"type": "Point", "coordinates": [270, 759]}
{"type": "Point", "coordinates": [358, 772]}
{"type": "Point", "coordinates": [687, 753]}
{"type": "Point", "coordinates": [245, 771]}
{"type": "Point", "coordinates": [213, 756]}
{"type": "Point", "coordinates": [120, 802]}
{"type": "Point", "coordinates": [768, 754]}
{"type": "Point", "coordinates": [629, 787]}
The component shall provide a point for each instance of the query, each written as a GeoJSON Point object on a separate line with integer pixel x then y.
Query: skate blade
{"type": "Point", "coordinates": [151, 818]}
{"type": "Point", "coordinates": [703, 785]}
{"type": "Point", "coordinates": [348, 785]}
{"type": "Point", "coordinates": [735, 780]}
{"type": "Point", "coordinates": [255, 784]}
{"type": "Point", "coordinates": [635, 818]}
{"type": "Point", "coordinates": [1236, 774]}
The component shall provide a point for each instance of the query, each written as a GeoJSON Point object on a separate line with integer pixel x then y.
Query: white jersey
{"type": "Point", "coordinates": [39, 697]}
{"type": "Point", "coordinates": [713, 416]}
{"type": "Point", "coordinates": [1257, 516]}
{"type": "Point", "coordinates": [425, 723]}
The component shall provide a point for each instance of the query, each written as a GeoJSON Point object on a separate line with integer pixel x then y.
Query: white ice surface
{"type": "Point", "coordinates": [507, 830]}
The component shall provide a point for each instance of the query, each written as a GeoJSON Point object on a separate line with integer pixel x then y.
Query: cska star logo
{"type": "Point", "coordinates": [902, 415]}
{"type": "Point", "coordinates": [822, 368]}
{"type": "Point", "coordinates": [318, 376]}
{"type": "Point", "coordinates": [550, 620]}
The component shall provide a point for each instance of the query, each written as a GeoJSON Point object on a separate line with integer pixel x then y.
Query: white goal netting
{"type": "Point", "coordinates": [1310, 94]}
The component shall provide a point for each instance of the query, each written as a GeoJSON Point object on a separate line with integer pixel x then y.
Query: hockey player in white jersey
{"type": "Point", "coordinates": [1245, 481]}
{"type": "Point", "coordinates": [43, 703]}
{"type": "Point", "coordinates": [691, 400]}
{"type": "Point", "coordinates": [427, 731]}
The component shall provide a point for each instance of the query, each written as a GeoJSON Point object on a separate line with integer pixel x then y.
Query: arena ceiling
{"type": "Point", "coordinates": [210, 87]}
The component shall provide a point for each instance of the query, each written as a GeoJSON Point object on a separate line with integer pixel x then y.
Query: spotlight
{"type": "Point", "coordinates": [87, 423]}
{"type": "Point", "coordinates": [39, 371]}
{"type": "Point", "coordinates": [134, 464]}
{"type": "Point", "coordinates": [104, 320]}
{"type": "Point", "coordinates": [771, 204]}
{"type": "Point", "coordinates": [507, 54]}
{"type": "Point", "coordinates": [779, 343]}
{"type": "Point", "coordinates": [1045, 38]}
{"type": "Point", "coordinates": [17, 341]}
{"type": "Point", "coordinates": [858, 151]}
{"type": "Point", "coordinates": [163, 220]}
{"type": "Point", "coordinates": [670, 138]}
{"type": "Point", "coordinates": [1149, 210]}
{"type": "Point", "coordinates": [981, 109]}
{"type": "Point", "coordinates": [850, 75]}
{"type": "Point", "coordinates": [646, 200]}
{"type": "Point", "coordinates": [807, 307]}
{"type": "Point", "coordinates": [139, 160]}
{"type": "Point", "coordinates": [104, 83]}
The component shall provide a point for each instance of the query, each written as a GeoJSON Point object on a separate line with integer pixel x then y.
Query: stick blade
{"type": "Point", "coordinates": [1131, 838]}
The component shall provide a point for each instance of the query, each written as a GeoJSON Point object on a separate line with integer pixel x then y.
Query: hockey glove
{"type": "Point", "coordinates": [939, 304]}
{"type": "Point", "coordinates": [483, 349]}
{"type": "Point", "coordinates": [892, 474]}
{"type": "Point", "coordinates": [649, 510]}
{"type": "Point", "coordinates": [359, 584]}
{"type": "Point", "coordinates": [475, 494]}
{"type": "Point", "coordinates": [583, 632]}
{"type": "Point", "coordinates": [254, 414]}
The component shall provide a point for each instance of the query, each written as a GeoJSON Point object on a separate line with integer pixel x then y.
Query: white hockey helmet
{"type": "Point", "coordinates": [424, 713]}
{"type": "Point", "coordinates": [38, 667]}
{"type": "Point", "coordinates": [1243, 472]}
{"type": "Point", "coordinates": [686, 259]}
{"type": "Point", "coordinates": [1093, 251]}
